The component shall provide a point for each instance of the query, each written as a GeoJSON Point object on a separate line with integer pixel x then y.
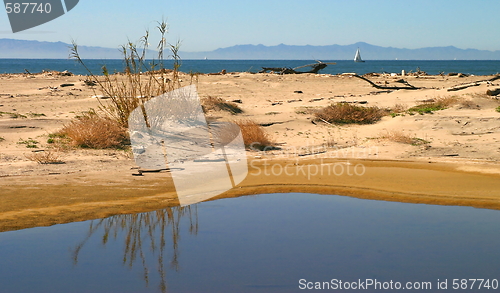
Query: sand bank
{"type": "Point", "coordinates": [458, 164]}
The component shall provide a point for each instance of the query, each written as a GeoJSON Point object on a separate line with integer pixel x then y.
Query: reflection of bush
{"type": "Point", "coordinates": [144, 231]}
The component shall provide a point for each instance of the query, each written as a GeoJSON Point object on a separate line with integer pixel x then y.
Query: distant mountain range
{"type": "Point", "coordinates": [10, 48]}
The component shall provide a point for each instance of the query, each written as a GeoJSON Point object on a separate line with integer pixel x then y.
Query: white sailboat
{"type": "Point", "coordinates": [357, 57]}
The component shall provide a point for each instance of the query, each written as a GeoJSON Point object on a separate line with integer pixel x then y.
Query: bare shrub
{"type": "Point", "coordinates": [211, 103]}
{"type": "Point", "coordinates": [401, 137]}
{"type": "Point", "coordinates": [345, 113]}
{"type": "Point", "coordinates": [95, 131]}
{"type": "Point", "coordinates": [142, 79]}
{"type": "Point", "coordinates": [399, 108]}
{"type": "Point", "coordinates": [44, 157]}
{"type": "Point", "coordinates": [468, 104]}
{"type": "Point", "coordinates": [254, 135]}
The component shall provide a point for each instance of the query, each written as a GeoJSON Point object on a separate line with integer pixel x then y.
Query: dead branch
{"type": "Point", "coordinates": [407, 87]}
{"type": "Point", "coordinates": [476, 83]}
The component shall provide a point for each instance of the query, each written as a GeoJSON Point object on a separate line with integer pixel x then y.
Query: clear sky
{"type": "Point", "coordinates": [210, 24]}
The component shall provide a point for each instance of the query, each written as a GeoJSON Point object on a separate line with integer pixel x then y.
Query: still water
{"type": "Point", "coordinates": [263, 243]}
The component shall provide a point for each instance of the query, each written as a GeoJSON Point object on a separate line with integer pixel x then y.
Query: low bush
{"type": "Point", "coordinates": [218, 104]}
{"type": "Point", "coordinates": [95, 131]}
{"type": "Point", "coordinates": [345, 113]}
{"type": "Point", "coordinates": [45, 157]}
{"type": "Point", "coordinates": [401, 137]}
{"type": "Point", "coordinates": [254, 135]}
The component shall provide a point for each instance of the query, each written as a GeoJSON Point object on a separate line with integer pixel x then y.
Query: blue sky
{"type": "Point", "coordinates": [208, 25]}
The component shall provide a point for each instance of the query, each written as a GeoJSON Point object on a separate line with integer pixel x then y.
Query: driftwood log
{"type": "Point", "coordinates": [287, 70]}
{"type": "Point", "coordinates": [493, 92]}
{"type": "Point", "coordinates": [476, 83]}
{"type": "Point", "coordinates": [406, 87]}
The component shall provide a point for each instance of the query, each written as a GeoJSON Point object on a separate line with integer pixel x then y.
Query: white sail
{"type": "Point", "coordinates": [357, 58]}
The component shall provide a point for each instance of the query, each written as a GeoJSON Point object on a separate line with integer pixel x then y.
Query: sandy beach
{"type": "Point", "coordinates": [455, 163]}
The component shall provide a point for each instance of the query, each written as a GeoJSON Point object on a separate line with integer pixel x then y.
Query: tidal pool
{"type": "Point", "coordinates": [264, 243]}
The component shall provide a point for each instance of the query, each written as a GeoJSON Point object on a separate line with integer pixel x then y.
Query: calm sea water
{"type": "Point", "coordinates": [263, 243]}
{"type": "Point", "coordinates": [206, 66]}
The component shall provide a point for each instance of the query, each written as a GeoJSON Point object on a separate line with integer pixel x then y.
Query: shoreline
{"type": "Point", "coordinates": [110, 194]}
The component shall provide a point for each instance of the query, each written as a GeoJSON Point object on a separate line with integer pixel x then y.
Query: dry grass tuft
{"type": "Point", "coordinates": [399, 108]}
{"type": "Point", "coordinates": [95, 131]}
{"type": "Point", "coordinates": [254, 135]}
{"type": "Point", "coordinates": [344, 113]}
{"type": "Point", "coordinates": [468, 104]}
{"type": "Point", "coordinates": [401, 137]}
{"type": "Point", "coordinates": [437, 104]}
{"type": "Point", "coordinates": [218, 104]}
{"type": "Point", "coordinates": [45, 157]}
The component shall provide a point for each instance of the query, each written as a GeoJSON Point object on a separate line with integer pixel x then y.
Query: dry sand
{"type": "Point", "coordinates": [458, 166]}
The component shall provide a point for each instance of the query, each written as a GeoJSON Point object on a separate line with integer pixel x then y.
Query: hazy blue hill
{"type": "Point", "coordinates": [342, 52]}
{"type": "Point", "coordinates": [10, 48]}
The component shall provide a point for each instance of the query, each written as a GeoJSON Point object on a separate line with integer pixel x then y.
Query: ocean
{"type": "Point", "coordinates": [475, 67]}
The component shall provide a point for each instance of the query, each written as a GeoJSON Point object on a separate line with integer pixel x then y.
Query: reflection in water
{"type": "Point", "coordinates": [145, 231]}
{"type": "Point", "coordinates": [263, 243]}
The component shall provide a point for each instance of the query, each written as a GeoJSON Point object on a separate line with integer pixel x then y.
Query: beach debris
{"type": "Point", "coordinates": [239, 101]}
{"type": "Point", "coordinates": [294, 100]}
{"type": "Point", "coordinates": [431, 100]}
{"type": "Point", "coordinates": [384, 87]}
{"type": "Point", "coordinates": [298, 92]}
{"type": "Point", "coordinates": [493, 92]}
{"type": "Point", "coordinates": [315, 68]}
{"type": "Point", "coordinates": [89, 82]}
{"type": "Point", "coordinates": [67, 84]}
{"type": "Point", "coordinates": [102, 97]}
{"type": "Point", "coordinates": [274, 103]}
{"type": "Point", "coordinates": [65, 73]}
{"type": "Point", "coordinates": [457, 74]}
{"type": "Point", "coordinates": [267, 124]}
{"type": "Point", "coordinates": [316, 100]}
{"type": "Point", "coordinates": [476, 83]}
{"type": "Point", "coordinates": [355, 102]}
{"type": "Point", "coordinates": [139, 173]}
{"type": "Point", "coordinates": [222, 72]}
